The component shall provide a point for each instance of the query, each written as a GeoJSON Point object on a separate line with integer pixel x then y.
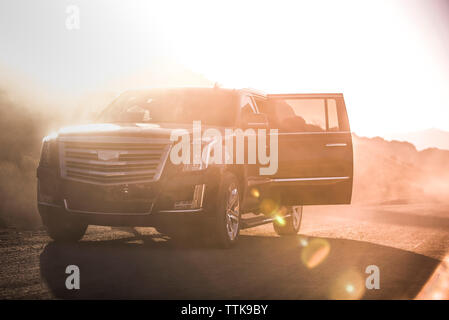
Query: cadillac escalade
{"type": "Point", "coordinates": [119, 170]}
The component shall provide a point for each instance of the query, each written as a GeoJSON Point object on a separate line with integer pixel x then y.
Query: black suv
{"type": "Point", "coordinates": [120, 171]}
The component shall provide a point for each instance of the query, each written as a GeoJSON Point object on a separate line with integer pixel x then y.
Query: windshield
{"type": "Point", "coordinates": [210, 106]}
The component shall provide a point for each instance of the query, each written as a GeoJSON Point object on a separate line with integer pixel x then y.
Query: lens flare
{"type": "Point", "coordinates": [303, 241]}
{"type": "Point", "coordinates": [348, 286]}
{"type": "Point", "coordinates": [280, 220]}
{"type": "Point", "coordinates": [255, 193]}
{"type": "Point", "coordinates": [315, 252]}
{"type": "Point", "coordinates": [437, 296]}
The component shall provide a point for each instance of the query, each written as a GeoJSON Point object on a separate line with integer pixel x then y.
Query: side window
{"type": "Point", "coordinates": [332, 115]}
{"type": "Point", "coordinates": [300, 115]}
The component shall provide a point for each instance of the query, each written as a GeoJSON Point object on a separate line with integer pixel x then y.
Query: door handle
{"type": "Point", "coordinates": [336, 145]}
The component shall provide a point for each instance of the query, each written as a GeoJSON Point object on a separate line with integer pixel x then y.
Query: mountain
{"type": "Point", "coordinates": [394, 171]}
{"type": "Point", "coordinates": [430, 138]}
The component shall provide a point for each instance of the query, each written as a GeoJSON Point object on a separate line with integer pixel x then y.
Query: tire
{"type": "Point", "coordinates": [64, 229]}
{"type": "Point", "coordinates": [226, 221]}
{"type": "Point", "coordinates": [290, 225]}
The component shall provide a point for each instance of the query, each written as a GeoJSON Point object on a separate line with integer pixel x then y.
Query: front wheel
{"type": "Point", "coordinates": [291, 224]}
{"type": "Point", "coordinates": [65, 229]}
{"type": "Point", "coordinates": [227, 218]}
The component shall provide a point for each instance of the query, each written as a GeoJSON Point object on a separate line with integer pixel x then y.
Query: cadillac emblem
{"type": "Point", "coordinates": [107, 155]}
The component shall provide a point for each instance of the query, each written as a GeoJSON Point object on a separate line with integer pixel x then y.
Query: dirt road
{"type": "Point", "coordinates": [327, 260]}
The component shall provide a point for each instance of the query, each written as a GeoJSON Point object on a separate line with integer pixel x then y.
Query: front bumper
{"type": "Point", "coordinates": [154, 219]}
{"type": "Point", "coordinates": [179, 195]}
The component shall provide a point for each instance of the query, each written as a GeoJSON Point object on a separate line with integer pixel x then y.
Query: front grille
{"type": "Point", "coordinates": [112, 160]}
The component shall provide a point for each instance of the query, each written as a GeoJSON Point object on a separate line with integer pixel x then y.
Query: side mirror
{"type": "Point", "coordinates": [255, 120]}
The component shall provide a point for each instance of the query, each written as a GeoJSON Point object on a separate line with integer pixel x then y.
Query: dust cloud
{"type": "Point", "coordinates": [25, 118]}
{"type": "Point", "coordinates": [395, 172]}
{"type": "Point", "coordinates": [21, 132]}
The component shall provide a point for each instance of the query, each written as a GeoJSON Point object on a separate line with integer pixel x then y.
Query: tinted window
{"type": "Point", "coordinates": [297, 115]}
{"type": "Point", "coordinates": [210, 106]}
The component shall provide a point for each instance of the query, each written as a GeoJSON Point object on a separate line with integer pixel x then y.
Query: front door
{"type": "Point", "coordinates": [315, 161]}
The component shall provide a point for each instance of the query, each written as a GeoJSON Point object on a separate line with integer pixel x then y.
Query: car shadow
{"type": "Point", "coordinates": [259, 267]}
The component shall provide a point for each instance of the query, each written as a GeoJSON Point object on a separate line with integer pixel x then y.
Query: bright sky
{"type": "Point", "coordinates": [389, 58]}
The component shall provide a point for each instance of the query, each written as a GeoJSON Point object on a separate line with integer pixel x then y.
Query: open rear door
{"type": "Point", "coordinates": [315, 164]}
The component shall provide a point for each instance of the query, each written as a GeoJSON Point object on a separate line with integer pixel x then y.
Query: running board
{"type": "Point", "coordinates": [257, 221]}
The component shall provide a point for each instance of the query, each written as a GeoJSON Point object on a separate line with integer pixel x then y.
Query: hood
{"type": "Point", "coordinates": [153, 130]}
{"type": "Point", "coordinates": [121, 129]}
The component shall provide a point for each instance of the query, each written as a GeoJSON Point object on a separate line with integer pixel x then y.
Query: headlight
{"type": "Point", "coordinates": [49, 153]}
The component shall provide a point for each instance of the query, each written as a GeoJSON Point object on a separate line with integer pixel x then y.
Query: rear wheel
{"type": "Point", "coordinates": [289, 225]}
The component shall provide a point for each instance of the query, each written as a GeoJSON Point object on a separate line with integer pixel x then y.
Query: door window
{"type": "Point", "coordinates": [332, 115]}
{"type": "Point", "coordinates": [302, 115]}
{"type": "Point", "coordinates": [298, 115]}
